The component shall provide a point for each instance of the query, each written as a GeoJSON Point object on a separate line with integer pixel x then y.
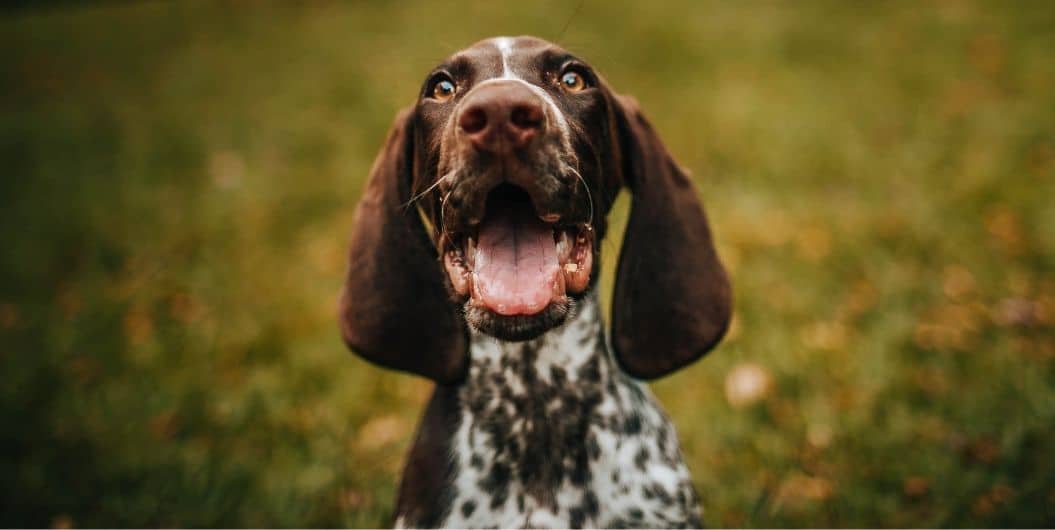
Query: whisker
{"type": "Point", "coordinates": [589, 195]}
{"type": "Point", "coordinates": [443, 226]}
{"type": "Point", "coordinates": [424, 192]}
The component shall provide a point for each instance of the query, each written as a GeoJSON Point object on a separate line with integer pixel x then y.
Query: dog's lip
{"type": "Point", "coordinates": [555, 195]}
{"type": "Point", "coordinates": [457, 230]}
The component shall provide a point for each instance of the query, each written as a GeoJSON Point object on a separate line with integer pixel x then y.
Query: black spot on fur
{"type": "Point", "coordinates": [577, 518]}
{"type": "Point", "coordinates": [591, 371]}
{"type": "Point", "coordinates": [668, 447]}
{"type": "Point", "coordinates": [476, 461]}
{"type": "Point", "coordinates": [497, 484]}
{"type": "Point", "coordinates": [636, 395]}
{"type": "Point", "coordinates": [655, 490]}
{"type": "Point", "coordinates": [658, 514]}
{"type": "Point", "coordinates": [468, 507]}
{"type": "Point", "coordinates": [635, 514]}
{"type": "Point", "coordinates": [641, 458]}
{"type": "Point", "coordinates": [632, 425]}
{"type": "Point", "coordinates": [478, 402]}
{"type": "Point", "coordinates": [590, 504]}
{"type": "Point", "coordinates": [592, 447]}
{"type": "Point", "coordinates": [580, 471]}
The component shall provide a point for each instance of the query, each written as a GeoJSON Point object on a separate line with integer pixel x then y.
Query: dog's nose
{"type": "Point", "coordinates": [503, 116]}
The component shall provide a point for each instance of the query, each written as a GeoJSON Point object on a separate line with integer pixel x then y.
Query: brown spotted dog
{"type": "Point", "coordinates": [473, 263]}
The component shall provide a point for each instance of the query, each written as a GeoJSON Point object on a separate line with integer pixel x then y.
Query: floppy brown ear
{"type": "Point", "coordinates": [672, 299]}
{"type": "Point", "coordinates": [395, 310]}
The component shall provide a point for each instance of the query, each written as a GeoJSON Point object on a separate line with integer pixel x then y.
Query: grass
{"type": "Point", "coordinates": [178, 184]}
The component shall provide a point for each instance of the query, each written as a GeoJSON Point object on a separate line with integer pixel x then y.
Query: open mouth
{"type": "Point", "coordinates": [516, 263]}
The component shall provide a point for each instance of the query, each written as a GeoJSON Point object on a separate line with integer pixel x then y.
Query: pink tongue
{"type": "Point", "coordinates": [515, 270]}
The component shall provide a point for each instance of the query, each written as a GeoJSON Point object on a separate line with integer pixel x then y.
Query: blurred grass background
{"type": "Point", "coordinates": [178, 183]}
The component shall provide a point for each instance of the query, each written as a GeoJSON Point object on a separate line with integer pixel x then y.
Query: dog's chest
{"type": "Point", "coordinates": [551, 434]}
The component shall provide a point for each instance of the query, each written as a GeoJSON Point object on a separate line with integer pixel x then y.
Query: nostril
{"type": "Point", "coordinates": [526, 117]}
{"type": "Point", "coordinates": [473, 120]}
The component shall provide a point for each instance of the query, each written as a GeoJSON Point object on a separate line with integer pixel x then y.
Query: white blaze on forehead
{"type": "Point", "coordinates": [505, 49]}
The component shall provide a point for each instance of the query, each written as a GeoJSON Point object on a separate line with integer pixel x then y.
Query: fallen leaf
{"type": "Point", "coordinates": [747, 383]}
{"type": "Point", "coordinates": [915, 487]}
{"type": "Point", "coordinates": [380, 432]}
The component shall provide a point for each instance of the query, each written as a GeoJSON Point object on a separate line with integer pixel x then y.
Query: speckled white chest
{"type": "Point", "coordinates": [553, 434]}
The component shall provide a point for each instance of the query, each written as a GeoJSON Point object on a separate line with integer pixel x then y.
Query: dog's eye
{"type": "Point", "coordinates": [572, 81]}
{"type": "Point", "coordinates": [443, 90]}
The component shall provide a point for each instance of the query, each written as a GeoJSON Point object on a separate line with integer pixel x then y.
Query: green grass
{"type": "Point", "coordinates": [178, 183]}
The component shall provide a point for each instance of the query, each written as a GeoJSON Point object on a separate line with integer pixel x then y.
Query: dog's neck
{"type": "Point", "coordinates": [576, 350]}
{"type": "Point", "coordinates": [553, 434]}
{"type": "Point", "coordinates": [528, 412]}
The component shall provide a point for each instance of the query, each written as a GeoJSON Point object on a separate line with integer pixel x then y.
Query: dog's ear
{"type": "Point", "coordinates": [672, 299]}
{"type": "Point", "coordinates": [395, 309]}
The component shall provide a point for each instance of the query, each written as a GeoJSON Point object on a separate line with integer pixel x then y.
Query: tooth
{"type": "Point", "coordinates": [571, 267]}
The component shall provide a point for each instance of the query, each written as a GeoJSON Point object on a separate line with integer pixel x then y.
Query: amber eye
{"type": "Point", "coordinates": [572, 81]}
{"type": "Point", "coordinates": [443, 90]}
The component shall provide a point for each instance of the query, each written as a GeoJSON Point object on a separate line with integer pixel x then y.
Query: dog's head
{"type": "Point", "coordinates": [487, 206]}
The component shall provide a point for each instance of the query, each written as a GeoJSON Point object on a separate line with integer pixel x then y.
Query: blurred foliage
{"type": "Point", "coordinates": [178, 183]}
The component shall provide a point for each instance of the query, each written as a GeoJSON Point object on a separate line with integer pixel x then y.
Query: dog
{"type": "Point", "coordinates": [473, 262]}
